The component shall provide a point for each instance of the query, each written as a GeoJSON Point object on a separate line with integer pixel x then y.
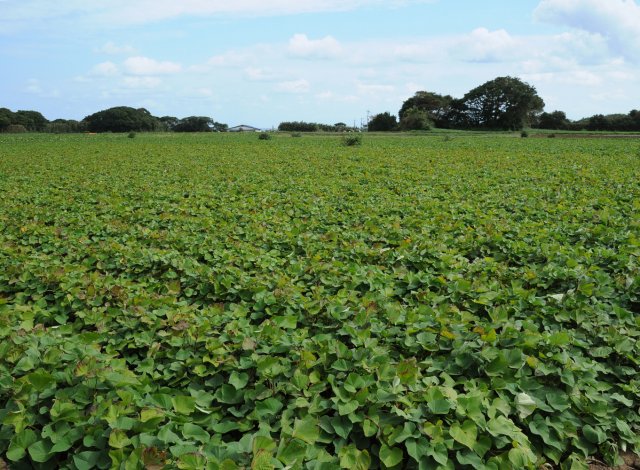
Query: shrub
{"type": "Point", "coordinates": [551, 136]}
{"type": "Point", "coordinates": [383, 122]}
{"type": "Point", "coordinates": [352, 140]}
{"type": "Point", "coordinates": [131, 135]}
{"type": "Point", "coordinates": [296, 134]}
{"type": "Point", "coordinates": [524, 134]}
{"type": "Point", "coordinates": [15, 129]}
{"type": "Point", "coordinates": [415, 119]}
{"type": "Point", "coordinates": [264, 136]}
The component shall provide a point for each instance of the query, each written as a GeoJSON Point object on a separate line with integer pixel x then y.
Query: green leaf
{"type": "Point", "coordinates": [193, 461]}
{"type": "Point", "coordinates": [465, 434]}
{"type": "Point", "coordinates": [229, 395]}
{"type": "Point", "coordinates": [118, 439]}
{"type": "Point", "coordinates": [239, 380]}
{"type": "Point", "coordinates": [306, 430]}
{"type": "Point", "coordinates": [390, 456]}
{"type": "Point", "coordinates": [268, 407]}
{"type": "Point", "coordinates": [288, 322]}
{"type": "Point", "coordinates": [518, 458]}
{"type": "Point", "coordinates": [369, 428]}
{"type": "Point", "coordinates": [293, 451]}
{"type": "Point", "coordinates": [62, 444]}
{"type": "Point", "coordinates": [347, 408]}
{"type": "Point", "coordinates": [86, 460]}
{"type": "Point", "coordinates": [558, 400]}
{"type": "Point", "coordinates": [471, 459]}
{"type": "Point", "coordinates": [40, 451]}
{"type": "Point", "coordinates": [353, 458]}
{"type": "Point", "coordinates": [19, 444]}
{"type": "Point", "coordinates": [184, 405]}
{"type": "Point", "coordinates": [41, 380]}
{"type": "Point", "coordinates": [417, 448]}
{"type": "Point", "coordinates": [150, 414]}
{"type": "Point", "coordinates": [193, 431]}
{"type": "Point", "coordinates": [437, 402]}
{"type": "Point", "coordinates": [594, 435]}
{"type": "Point", "coordinates": [525, 405]}
{"type": "Point", "coordinates": [262, 460]}
{"type": "Point", "coordinates": [263, 443]}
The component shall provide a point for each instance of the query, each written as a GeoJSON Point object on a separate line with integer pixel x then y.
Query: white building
{"type": "Point", "coordinates": [243, 128]}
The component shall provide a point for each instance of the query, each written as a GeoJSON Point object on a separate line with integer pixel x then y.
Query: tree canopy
{"type": "Point", "coordinates": [503, 103]}
{"type": "Point", "coordinates": [194, 124]}
{"type": "Point", "coordinates": [437, 107]}
{"type": "Point", "coordinates": [383, 122]}
{"type": "Point", "coordinates": [556, 120]}
{"type": "Point", "coordinates": [121, 119]}
{"type": "Point", "coordinates": [415, 119]}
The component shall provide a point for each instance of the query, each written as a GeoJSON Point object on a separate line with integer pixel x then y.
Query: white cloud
{"type": "Point", "coordinates": [141, 82]}
{"type": "Point", "coordinates": [124, 12]}
{"type": "Point", "coordinates": [326, 48]}
{"type": "Point", "coordinates": [482, 45]}
{"type": "Point", "coordinates": [110, 48]}
{"type": "Point", "coordinates": [374, 89]}
{"type": "Point", "coordinates": [145, 66]}
{"type": "Point", "coordinates": [259, 74]}
{"type": "Point", "coordinates": [104, 69]}
{"type": "Point", "coordinates": [577, 77]}
{"type": "Point", "coordinates": [294, 86]}
{"type": "Point", "coordinates": [616, 20]}
{"type": "Point", "coordinates": [34, 87]}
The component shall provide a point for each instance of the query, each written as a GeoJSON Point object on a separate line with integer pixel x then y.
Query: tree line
{"type": "Point", "coordinates": [116, 119]}
{"type": "Point", "coordinates": [505, 103]}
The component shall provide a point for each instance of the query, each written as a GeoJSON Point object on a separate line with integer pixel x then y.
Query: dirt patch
{"type": "Point", "coordinates": [631, 462]}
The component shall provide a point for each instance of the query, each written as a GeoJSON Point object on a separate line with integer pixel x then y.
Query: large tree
{"type": "Point", "coordinates": [6, 118]}
{"type": "Point", "coordinates": [555, 120]}
{"type": "Point", "coordinates": [122, 119]}
{"type": "Point", "coordinates": [31, 120]}
{"type": "Point", "coordinates": [437, 107]}
{"type": "Point", "coordinates": [383, 122]}
{"type": "Point", "coordinates": [194, 124]}
{"type": "Point", "coordinates": [415, 119]}
{"type": "Point", "coordinates": [503, 103]}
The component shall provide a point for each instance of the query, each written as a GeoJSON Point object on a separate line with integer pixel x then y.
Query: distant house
{"type": "Point", "coordinates": [243, 128]}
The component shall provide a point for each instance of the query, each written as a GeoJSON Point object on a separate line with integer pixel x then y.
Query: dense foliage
{"type": "Point", "coordinates": [29, 120]}
{"type": "Point", "coordinates": [194, 124]}
{"type": "Point", "coordinates": [383, 122]}
{"type": "Point", "coordinates": [437, 107]}
{"type": "Point", "coordinates": [504, 103]}
{"type": "Point", "coordinates": [215, 302]}
{"type": "Point", "coordinates": [302, 126]}
{"type": "Point", "coordinates": [121, 119]}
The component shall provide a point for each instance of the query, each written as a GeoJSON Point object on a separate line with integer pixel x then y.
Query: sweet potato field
{"type": "Point", "coordinates": [223, 302]}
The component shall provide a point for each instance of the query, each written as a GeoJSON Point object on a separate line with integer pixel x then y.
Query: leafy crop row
{"type": "Point", "coordinates": [214, 302]}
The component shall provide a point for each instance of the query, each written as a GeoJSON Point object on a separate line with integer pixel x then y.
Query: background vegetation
{"type": "Point", "coordinates": [505, 103]}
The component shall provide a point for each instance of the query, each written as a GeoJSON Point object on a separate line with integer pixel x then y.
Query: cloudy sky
{"type": "Point", "coordinates": [262, 62]}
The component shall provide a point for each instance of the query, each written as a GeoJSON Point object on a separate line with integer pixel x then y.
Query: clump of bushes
{"type": "Point", "coordinates": [15, 129]}
{"type": "Point", "coordinates": [524, 134]}
{"type": "Point", "coordinates": [264, 136]}
{"type": "Point", "coordinates": [352, 140]}
{"type": "Point", "coordinates": [296, 134]}
{"type": "Point", "coordinates": [551, 136]}
{"type": "Point", "coordinates": [131, 135]}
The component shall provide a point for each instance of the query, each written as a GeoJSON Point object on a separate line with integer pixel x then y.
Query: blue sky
{"type": "Point", "coordinates": [260, 63]}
